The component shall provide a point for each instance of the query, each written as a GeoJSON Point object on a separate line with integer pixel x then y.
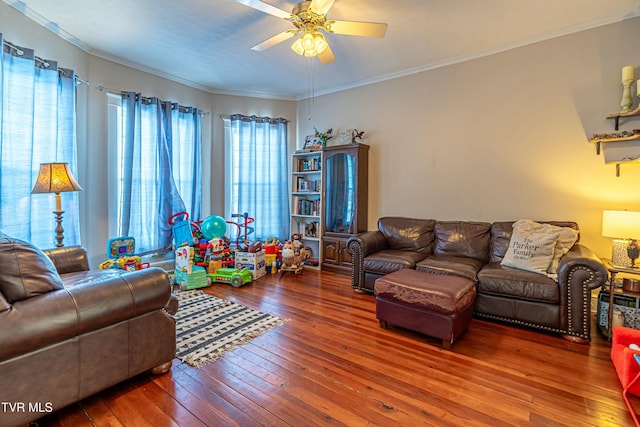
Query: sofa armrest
{"type": "Point", "coordinates": [360, 246]}
{"type": "Point", "coordinates": [367, 243]}
{"type": "Point", "coordinates": [579, 271]}
{"type": "Point", "coordinates": [69, 259]}
{"type": "Point", "coordinates": [92, 300]}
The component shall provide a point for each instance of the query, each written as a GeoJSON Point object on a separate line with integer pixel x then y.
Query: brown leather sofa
{"type": "Point", "coordinates": [475, 250]}
{"type": "Point", "coordinates": [67, 332]}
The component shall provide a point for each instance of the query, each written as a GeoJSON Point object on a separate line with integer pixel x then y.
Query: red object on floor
{"type": "Point", "coordinates": [627, 363]}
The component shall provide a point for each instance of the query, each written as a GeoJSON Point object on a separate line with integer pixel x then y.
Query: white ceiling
{"type": "Point", "coordinates": [207, 43]}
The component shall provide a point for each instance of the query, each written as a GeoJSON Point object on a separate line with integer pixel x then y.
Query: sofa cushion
{"type": "Point", "coordinates": [26, 270]}
{"type": "Point", "coordinates": [451, 265]}
{"type": "Point", "coordinates": [496, 279]}
{"type": "Point", "coordinates": [389, 260]}
{"type": "Point", "coordinates": [530, 248]}
{"type": "Point", "coordinates": [464, 239]}
{"type": "Point", "coordinates": [408, 233]}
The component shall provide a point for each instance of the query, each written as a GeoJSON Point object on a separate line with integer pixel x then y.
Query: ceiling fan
{"type": "Point", "coordinates": [308, 19]}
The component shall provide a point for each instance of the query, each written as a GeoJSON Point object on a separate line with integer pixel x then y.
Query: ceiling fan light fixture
{"type": "Point", "coordinates": [310, 44]}
{"type": "Point", "coordinates": [297, 46]}
{"type": "Point", "coordinates": [320, 43]}
{"type": "Point", "coordinates": [309, 17]}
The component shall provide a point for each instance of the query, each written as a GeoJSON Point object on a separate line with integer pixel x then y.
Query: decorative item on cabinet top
{"type": "Point", "coordinates": [311, 143]}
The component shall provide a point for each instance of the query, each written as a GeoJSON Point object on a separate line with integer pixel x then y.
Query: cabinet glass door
{"type": "Point", "coordinates": [340, 193]}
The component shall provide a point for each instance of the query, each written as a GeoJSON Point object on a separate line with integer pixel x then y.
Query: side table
{"type": "Point", "coordinates": [613, 272]}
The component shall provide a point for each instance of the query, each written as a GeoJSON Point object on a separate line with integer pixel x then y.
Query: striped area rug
{"type": "Point", "coordinates": [207, 327]}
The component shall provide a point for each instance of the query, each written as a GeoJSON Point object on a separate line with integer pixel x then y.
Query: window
{"type": "Point", "coordinates": [257, 174]}
{"type": "Point", "coordinates": [157, 168]}
{"type": "Point", "coordinates": [38, 119]}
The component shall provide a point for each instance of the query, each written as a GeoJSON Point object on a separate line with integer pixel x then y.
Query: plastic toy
{"type": "Point", "coordinates": [245, 224]}
{"type": "Point", "coordinates": [182, 229]}
{"type": "Point", "coordinates": [233, 276]}
{"type": "Point", "coordinates": [218, 250]}
{"type": "Point", "coordinates": [121, 246]}
{"type": "Point", "coordinates": [213, 226]}
{"type": "Point", "coordinates": [187, 275]}
{"type": "Point", "coordinates": [273, 249]}
{"type": "Point", "coordinates": [120, 251]}
{"type": "Point", "coordinates": [194, 280]}
{"type": "Point", "coordinates": [129, 263]}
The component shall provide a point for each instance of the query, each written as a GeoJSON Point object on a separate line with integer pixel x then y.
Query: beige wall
{"type": "Point", "coordinates": [497, 138]}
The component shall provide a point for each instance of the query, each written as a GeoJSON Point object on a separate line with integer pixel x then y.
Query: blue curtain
{"type": "Point", "coordinates": [186, 155]}
{"type": "Point", "coordinates": [38, 125]}
{"type": "Point", "coordinates": [259, 174]}
{"type": "Point", "coordinates": [159, 170]}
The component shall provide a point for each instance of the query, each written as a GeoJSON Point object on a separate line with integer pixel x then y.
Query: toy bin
{"type": "Point", "coordinates": [254, 262]}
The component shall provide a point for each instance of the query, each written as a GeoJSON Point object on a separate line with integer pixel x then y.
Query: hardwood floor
{"type": "Point", "coordinates": [331, 364]}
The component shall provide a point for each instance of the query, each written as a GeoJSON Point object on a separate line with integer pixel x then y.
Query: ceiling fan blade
{"type": "Point", "coordinates": [278, 38]}
{"type": "Point", "coordinates": [327, 57]}
{"type": "Point", "coordinates": [353, 28]}
{"type": "Point", "coordinates": [266, 8]}
{"type": "Point", "coordinates": [321, 7]}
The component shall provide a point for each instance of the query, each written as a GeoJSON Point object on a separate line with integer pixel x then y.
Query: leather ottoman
{"type": "Point", "coordinates": [437, 305]}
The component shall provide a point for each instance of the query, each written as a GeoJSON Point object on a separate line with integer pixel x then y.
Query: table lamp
{"type": "Point", "coordinates": [56, 178]}
{"type": "Point", "coordinates": [622, 226]}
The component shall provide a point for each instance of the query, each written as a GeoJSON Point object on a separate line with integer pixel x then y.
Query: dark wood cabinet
{"type": "Point", "coordinates": [335, 253]}
{"type": "Point", "coordinates": [345, 173]}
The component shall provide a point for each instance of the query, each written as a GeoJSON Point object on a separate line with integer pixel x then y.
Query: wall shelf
{"type": "Point", "coordinates": [617, 116]}
{"type": "Point", "coordinates": [625, 136]}
{"type": "Point", "coordinates": [598, 141]}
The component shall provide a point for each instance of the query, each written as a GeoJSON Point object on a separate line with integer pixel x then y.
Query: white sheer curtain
{"type": "Point", "coordinates": [38, 125]}
{"type": "Point", "coordinates": [159, 169]}
{"type": "Point", "coordinates": [258, 174]}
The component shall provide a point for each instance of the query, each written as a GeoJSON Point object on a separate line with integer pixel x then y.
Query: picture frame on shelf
{"type": "Point", "coordinates": [312, 143]}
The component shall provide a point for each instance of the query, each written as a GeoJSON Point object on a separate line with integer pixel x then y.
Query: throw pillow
{"type": "Point", "coordinates": [530, 250]}
{"type": "Point", "coordinates": [26, 270]}
{"type": "Point", "coordinates": [567, 238]}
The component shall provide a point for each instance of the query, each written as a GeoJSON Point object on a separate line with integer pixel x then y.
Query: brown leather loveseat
{"type": "Point", "coordinates": [67, 332]}
{"type": "Point", "coordinates": [556, 303]}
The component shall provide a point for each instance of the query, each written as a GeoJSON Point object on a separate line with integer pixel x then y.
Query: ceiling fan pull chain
{"type": "Point", "coordinates": [311, 87]}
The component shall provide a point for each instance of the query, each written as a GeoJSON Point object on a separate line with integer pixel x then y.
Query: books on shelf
{"type": "Point", "coordinates": [302, 206]}
{"type": "Point", "coordinates": [309, 165]}
{"type": "Point", "coordinates": [304, 185]}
